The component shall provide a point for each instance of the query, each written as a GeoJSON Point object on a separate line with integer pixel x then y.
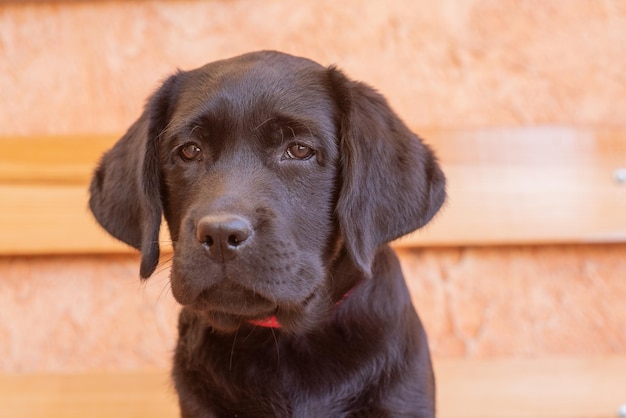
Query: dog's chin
{"type": "Point", "coordinates": [222, 322]}
{"type": "Point", "coordinates": [295, 318]}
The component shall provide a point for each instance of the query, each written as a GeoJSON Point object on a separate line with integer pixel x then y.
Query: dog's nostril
{"type": "Point", "coordinates": [222, 235]}
{"type": "Point", "coordinates": [234, 240]}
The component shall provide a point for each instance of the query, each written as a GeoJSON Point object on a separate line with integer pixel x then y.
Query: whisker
{"type": "Point", "coordinates": [308, 129]}
{"type": "Point", "coordinates": [165, 129]}
{"type": "Point", "coordinates": [232, 350]}
{"type": "Point", "coordinates": [249, 334]}
{"type": "Point", "coordinates": [194, 128]}
{"type": "Point", "coordinates": [163, 267]}
{"type": "Point", "coordinates": [276, 345]}
{"type": "Point", "coordinates": [293, 133]}
{"type": "Point", "coordinates": [164, 291]}
{"type": "Point", "coordinates": [168, 258]}
{"type": "Point", "coordinates": [262, 123]}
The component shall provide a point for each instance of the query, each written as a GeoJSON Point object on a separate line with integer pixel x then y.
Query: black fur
{"type": "Point", "coordinates": [306, 176]}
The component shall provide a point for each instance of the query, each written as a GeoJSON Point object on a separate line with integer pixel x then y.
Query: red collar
{"type": "Point", "coordinates": [272, 321]}
{"type": "Point", "coordinates": [269, 322]}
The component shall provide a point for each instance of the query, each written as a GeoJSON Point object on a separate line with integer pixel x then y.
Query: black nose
{"type": "Point", "coordinates": [223, 235]}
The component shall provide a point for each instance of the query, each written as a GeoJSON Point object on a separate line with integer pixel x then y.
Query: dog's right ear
{"type": "Point", "coordinates": [391, 181]}
{"type": "Point", "coordinates": [125, 189]}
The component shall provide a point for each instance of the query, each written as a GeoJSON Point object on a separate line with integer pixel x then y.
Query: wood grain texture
{"type": "Point", "coordinates": [535, 185]}
{"type": "Point", "coordinates": [537, 388]}
{"type": "Point", "coordinates": [496, 388]}
{"type": "Point", "coordinates": [528, 186]}
{"type": "Point", "coordinates": [95, 395]}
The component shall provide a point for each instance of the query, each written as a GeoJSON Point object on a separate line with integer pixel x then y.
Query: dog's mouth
{"type": "Point", "coordinates": [234, 301]}
{"type": "Point", "coordinates": [228, 317]}
{"type": "Point", "coordinates": [229, 308]}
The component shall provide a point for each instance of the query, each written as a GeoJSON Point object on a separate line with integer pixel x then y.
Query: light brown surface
{"type": "Point", "coordinates": [533, 388]}
{"type": "Point", "coordinates": [505, 186]}
{"type": "Point", "coordinates": [95, 395]}
{"type": "Point", "coordinates": [529, 186]}
{"type": "Point", "coordinates": [51, 159]}
{"type": "Point", "coordinates": [73, 68]}
{"type": "Point", "coordinates": [548, 388]}
{"type": "Point", "coordinates": [85, 313]}
{"type": "Point", "coordinates": [77, 314]}
{"type": "Point", "coordinates": [87, 67]}
{"type": "Point", "coordinates": [520, 301]}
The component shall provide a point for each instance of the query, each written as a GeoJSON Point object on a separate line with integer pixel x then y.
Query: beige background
{"type": "Point", "coordinates": [87, 67]}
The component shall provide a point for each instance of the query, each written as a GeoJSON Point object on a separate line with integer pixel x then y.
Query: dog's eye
{"type": "Point", "coordinates": [189, 151]}
{"type": "Point", "coordinates": [298, 152]}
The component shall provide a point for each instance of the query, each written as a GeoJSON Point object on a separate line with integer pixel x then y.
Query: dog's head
{"type": "Point", "coordinates": [268, 168]}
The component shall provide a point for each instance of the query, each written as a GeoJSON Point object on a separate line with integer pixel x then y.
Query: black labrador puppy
{"type": "Point", "coordinates": [281, 182]}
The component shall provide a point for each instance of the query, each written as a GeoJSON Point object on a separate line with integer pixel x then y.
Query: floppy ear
{"type": "Point", "coordinates": [125, 189]}
{"type": "Point", "coordinates": [391, 181]}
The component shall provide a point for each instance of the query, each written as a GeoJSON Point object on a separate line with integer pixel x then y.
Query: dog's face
{"type": "Point", "coordinates": [248, 167]}
{"type": "Point", "coordinates": [267, 168]}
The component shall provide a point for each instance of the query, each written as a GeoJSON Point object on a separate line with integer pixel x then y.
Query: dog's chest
{"type": "Point", "coordinates": [262, 376]}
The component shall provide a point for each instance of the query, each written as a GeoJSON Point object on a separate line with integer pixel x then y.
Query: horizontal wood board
{"type": "Point", "coordinates": [467, 388]}
{"type": "Point", "coordinates": [536, 185]}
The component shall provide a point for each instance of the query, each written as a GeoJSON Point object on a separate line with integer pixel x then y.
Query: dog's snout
{"type": "Point", "coordinates": [223, 235]}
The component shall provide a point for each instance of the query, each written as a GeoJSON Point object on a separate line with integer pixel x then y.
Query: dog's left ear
{"type": "Point", "coordinates": [126, 187]}
{"type": "Point", "coordinates": [391, 181]}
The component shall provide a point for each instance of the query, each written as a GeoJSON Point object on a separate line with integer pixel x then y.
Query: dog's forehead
{"type": "Point", "coordinates": [256, 84]}
{"type": "Point", "coordinates": [260, 72]}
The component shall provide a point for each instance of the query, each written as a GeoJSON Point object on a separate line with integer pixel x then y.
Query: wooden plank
{"type": "Point", "coordinates": [467, 388]}
{"type": "Point", "coordinates": [529, 186]}
{"type": "Point", "coordinates": [51, 160]}
{"type": "Point", "coordinates": [509, 186]}
{"type": "Point", "coordinates": [50, 219]}
{"type": "Point", "coordinates": [537, 388]}
{"type": "Point", "coordinates": [96, 395]}
{"type": "Point", "coordinates": [44, 219]}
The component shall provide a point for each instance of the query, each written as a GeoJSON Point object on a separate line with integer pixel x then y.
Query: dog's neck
{"type": "Point", "coordinates": [343, 267]}
{"type": "Point", "coordinates": [272, 321]}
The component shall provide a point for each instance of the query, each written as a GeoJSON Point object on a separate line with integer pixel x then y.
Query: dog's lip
{"type": "Point", "coordinates": [245, 314]}
{"type": "Point", "coordinates": [240, 303]}
{"type": "Point", "coordinates": [220, 319]}
{"type": "Point", "coordinates": [244, 317]}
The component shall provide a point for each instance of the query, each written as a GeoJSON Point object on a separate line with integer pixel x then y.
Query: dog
{"type": "Point", "coordinates": [282, 182]}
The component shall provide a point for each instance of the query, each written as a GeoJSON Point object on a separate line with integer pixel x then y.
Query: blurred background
{"type": "Point", "coordinates": [539, 84]}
